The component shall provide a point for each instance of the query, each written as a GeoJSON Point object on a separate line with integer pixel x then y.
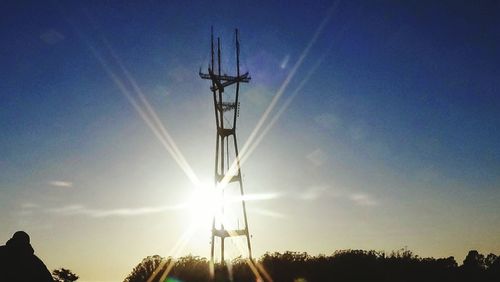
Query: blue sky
{"type": "Point", "coordinates": [389, 137]}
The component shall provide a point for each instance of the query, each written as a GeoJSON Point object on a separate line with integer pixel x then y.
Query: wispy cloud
{"type": "Point", "coordinates": [312, 193]}
{"type": "Point", "coordinates": [61, 183]}
{"type": "Point", "coordinates": [316, 192]}
{"type": "Point", "coordinates": [83, 210]}
{"type": "Point", "coordinates": [27, 209]}
{"type": "Point", "coordinates": [257, 197]}
{"type": "Point", "coordinates": [326, 120]}
{"type": "Point", "coordinates": [284, 62]}
{"type": "Point", "coordinates": [362, 199]}
{"type": "Point", "coordinates": [268, 213]}
{"type": "Point", "coordinates": [29, 205]}
{"type": "Point", "coordinates": [51, 37]}
{"type": "Point", "coordinates": [316, 157]}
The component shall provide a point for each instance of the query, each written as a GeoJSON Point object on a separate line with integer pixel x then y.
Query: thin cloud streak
{"type": "Point", "coordinates": [256, 197]}
{"type": "Point", "coordinates": [99, 213]}
{"type": "Point", "coordinates": [284, 63]}
{"type": "Point", "coordinates": [362, 199]}
{"type": "Point", "coordinates": [268, 213]}
{"type": "Point", "coordinates": [29, 205]}
{"type": "Point", "coordinates": [315, 192]}
{"type": "Point", "coordinates": [317, 157]}
{"type": "Point", "coordinates": [61, 183]}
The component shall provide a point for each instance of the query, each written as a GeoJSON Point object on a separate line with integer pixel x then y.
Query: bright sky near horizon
{"type": "Point", "coordinates": [389, 138]}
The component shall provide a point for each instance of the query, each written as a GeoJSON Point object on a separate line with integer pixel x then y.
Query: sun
{"type": "Point", "coordinates": [203, 204]}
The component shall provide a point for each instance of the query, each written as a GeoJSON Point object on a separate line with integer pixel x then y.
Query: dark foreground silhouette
{"type": "Point", "coordinates": [342, 266]}
{"type": "Point", "coordinates": [18, 262]}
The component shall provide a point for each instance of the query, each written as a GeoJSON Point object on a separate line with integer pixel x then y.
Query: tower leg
{"type": "Point", "coordinates": [242, 199]}
{"type": "Point", "coordinates": [213, 242]}
{"type": "Point", "coordinates": [212, 247]}
{"type": "Point", "coordinates": [222, 251]}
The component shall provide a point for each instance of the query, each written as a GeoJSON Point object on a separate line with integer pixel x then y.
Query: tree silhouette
{"type": "Point", "coordinates": [474, 261]}
{"type": "Point", "coordinates": [191, 268]}
{"type": "Point", "coordinates": [473, 266]}
{"type": "Point", "coordinates": [493, 267]}
{"type": "Point", "coordinates": [490, 260]}
{"type": "Point", "coordinates": [64, 275]}
{"type": "Point", "coordinates": [148, 267]}
{"type": "Point", "coordinates": [345, 265]}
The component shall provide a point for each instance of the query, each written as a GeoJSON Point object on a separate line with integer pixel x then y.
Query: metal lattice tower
{"type": "Point", "coordinates": [227, 170]}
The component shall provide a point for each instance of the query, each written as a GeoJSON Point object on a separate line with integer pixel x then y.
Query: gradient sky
{"type": "Point", "coordinates": [389, 138]}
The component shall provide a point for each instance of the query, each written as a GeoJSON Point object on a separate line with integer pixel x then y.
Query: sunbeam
{"type": "Point", "coordinates": [283, 107]}
{"type": "Point", "coordinates": [179, 245]}
{"type": "Point", "coordinates": [250, 141]}
{"type": "Point", "coordinates": [146, 112]}
{"type": "Point", "coordinates": [176, 153]}
{"type": "Point", "coordinates": [157, 132]}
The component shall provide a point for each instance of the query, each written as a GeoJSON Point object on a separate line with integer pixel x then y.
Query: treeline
{"type": "Point", "coordinates": [342, 266]}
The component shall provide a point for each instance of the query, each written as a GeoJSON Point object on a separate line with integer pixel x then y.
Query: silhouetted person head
{"type": "Point", "coordinates": [21, 236]}
{"type": "Point", "coordinates": [20, 243]}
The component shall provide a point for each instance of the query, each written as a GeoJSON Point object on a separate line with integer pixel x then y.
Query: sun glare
{"type": "Point", "coordinates": [203, 204]}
